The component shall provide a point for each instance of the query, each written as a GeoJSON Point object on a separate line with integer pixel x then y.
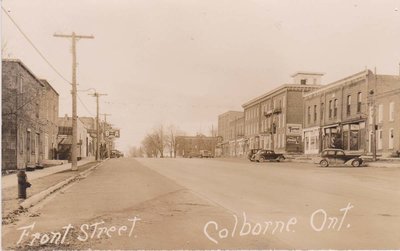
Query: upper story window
{"type": "Point", "coordinates": [380, 113]}
{"type": "Point", "coordinates": [303, 81]}
{"type": "Point", "coordinates": [315, 113]}
{"type": "Point", "coordinates": [309, 115]}
{"type": "Point", "coordinates": [330, 108]}
{"type": "Point", "coordinates": [391, 111]}
{"type": "Point", "coordinates": [359, 98]}
{"type": "Point", "coordinates": [322, 111]}
{"type": "Point", "coordinates": [20, 84]}
{"type": "Point", "coordinates": [348, 106]}
{"type": "Point", "coordinates": [335, 107]}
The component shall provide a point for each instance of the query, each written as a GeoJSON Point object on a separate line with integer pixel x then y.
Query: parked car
{"type": "Point", "coordinates": [116, 154]}
{"type": "Point", "coordinates": [192, 155]}
{"type": "Point", "coordinates": [338, 157]}
{"type": "Point", "coordinates": [251, 153]}
{"type": "Point", "coordinates": [264, 155]}
{"type": "Point", "coordinates": [205, 154]}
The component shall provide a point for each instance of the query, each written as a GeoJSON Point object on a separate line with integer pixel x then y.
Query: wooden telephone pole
{"type": "Point", "coordinates": [97, 95]}
{"type": "Point", "coordinates": [74, 38]}
{"type": "Point", "coordinates": [107, 141]}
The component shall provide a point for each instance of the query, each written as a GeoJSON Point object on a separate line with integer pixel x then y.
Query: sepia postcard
{"type": "Point", "coordinates": [200, 125]}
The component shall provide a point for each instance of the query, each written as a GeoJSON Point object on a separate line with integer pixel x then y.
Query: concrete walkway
{"type": "Point", "coordinates": [11, 180]}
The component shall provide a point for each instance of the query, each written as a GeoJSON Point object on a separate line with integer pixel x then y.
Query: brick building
{"type": "Point", "coordinates": [274, 120]}
{"type": "Point", "coordinates": [185, 145]}
{"type": "Point", "coordinates": [339, 115]}
{"type": "Point", "coordinates": [27, 116]}
{"type": "Point", "coordinates": [225, 130]}
{"type": "Point", "coordinates": [386, 98]}
{"type": "Point", "coordinates": [236, 138]}
{"type": "Point", "coordinates": [48, 113]}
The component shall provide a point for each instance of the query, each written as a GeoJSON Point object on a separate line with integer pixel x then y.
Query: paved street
{"type": "Point", "coordinates": [279, 191]}
{"type": "Point", "coordinates": [175, 199]}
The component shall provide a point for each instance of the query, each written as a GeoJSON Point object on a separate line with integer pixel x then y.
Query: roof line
{"type": "Point", "coordinates": [281, 87]}
{"type": "Point", "coordinates": [18, 61]}
{"type": "Point", "coordinates": [338, 82]}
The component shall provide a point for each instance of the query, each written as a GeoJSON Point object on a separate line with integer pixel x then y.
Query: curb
{"type": "Point", "coordinates": [35, 199]}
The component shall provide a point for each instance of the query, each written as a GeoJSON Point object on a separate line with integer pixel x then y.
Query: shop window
{"type": "Point", "coordinates": [346, 140]}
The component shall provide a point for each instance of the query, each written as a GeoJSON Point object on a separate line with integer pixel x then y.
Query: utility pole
{"type": "Point", "coordinates": [97, 95]}
{"type": "Point", "coordinates": [74, 38]}
{"type": "Point", "coordinates": [373, 111]}
{"type": "Point", "coordinates": [236, 119]}
{"type": "Point", "coordinates": [104, 129]}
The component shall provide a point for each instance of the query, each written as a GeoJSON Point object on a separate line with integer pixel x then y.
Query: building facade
{"type": "Point", "coordinates": [384, 108]}
{"type": "Point", "coordinates": [341, 114]}
{"type": "Point", "coordinates": [48, 113]}
{"type": "Point", "coordinates": [236, 138]}
{"type": "Point", "coordinates": [225, 130]}
{"type": "Point", "coordinates": [65, 139]}
{"type": "Point", "coordinates": [274, 120]}
{"type": "Point", "coordinates": [186, 145]}
{"type": "Point", "coordinates": [27, 117]}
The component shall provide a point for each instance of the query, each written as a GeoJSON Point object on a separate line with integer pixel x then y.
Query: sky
{"type": "Point", "coordinates": [184, 62]}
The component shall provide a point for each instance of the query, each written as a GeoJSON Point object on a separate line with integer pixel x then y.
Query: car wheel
{"type": "Point", "coordinates": [261, 159]}
{"type": "Point", "coordinates": [324, 163]}
{"type": "Point", "coordinates": [356, 163]}
{"type": "Point", "coordinates": [280, 158]}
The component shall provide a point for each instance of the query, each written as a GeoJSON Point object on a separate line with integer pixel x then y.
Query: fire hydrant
{"type": "Point", "coordinates": [23, 184]}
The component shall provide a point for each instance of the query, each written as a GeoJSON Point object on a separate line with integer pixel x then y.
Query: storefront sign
{"type": "Point", "coordinates": [293, 140]}
{"type": "Point", "coordinates": [355, 127]}
{"type": "Point", "coordinates": [293, 129]}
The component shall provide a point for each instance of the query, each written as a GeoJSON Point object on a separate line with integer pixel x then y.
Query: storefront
{"type": "Point", "coordinates": [293, 138]}
{"type": "Point", "coordinates": [332, 137]}
{"type": "Point", "coordinates": [350, 136]}
{"type": "Point", "coordinates": [254, 142]}
{"type": "Point", "coordinates": [311, 138]}
{"type": "Point", "coordinates": [353, 136]}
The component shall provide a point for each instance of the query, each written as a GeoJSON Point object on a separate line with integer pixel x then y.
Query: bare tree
{"type": "Point", "coordinates": [161, 139]}
{"type": "Point", "coordinates": [173, 131]}
{"type": "Point", "coordinates": [149, 146]}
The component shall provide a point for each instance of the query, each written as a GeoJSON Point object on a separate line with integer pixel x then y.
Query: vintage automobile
{"type": "Point", "coordinates": [338, 157]}
{"type": "Point", "coordinates": [116, 154]}
{"type": "Point", "coordinates": [251, 153]}
{"type": "Point", "coordinates": [264, 155]}
{"type": "Point", "coordinates": [205, 154]}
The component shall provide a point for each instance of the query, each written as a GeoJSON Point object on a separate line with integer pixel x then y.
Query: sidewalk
{"type": "Point", "coordinates": [42, 185]}
{"type": "Point", "coordinates": [11, 180]}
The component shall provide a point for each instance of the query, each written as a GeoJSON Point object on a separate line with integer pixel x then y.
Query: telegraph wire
{"type": "Point", "coordinates": [34, 47]}
{"type": "Point", "coordinates": [42, 56]}
{"type": "Point", "coordinates": [84, 106]}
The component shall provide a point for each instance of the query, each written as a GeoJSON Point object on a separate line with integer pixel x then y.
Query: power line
{"type": "Point", "coordinates": [34, 47]}
{"type": "Point", "coordinates": [84, 106]}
